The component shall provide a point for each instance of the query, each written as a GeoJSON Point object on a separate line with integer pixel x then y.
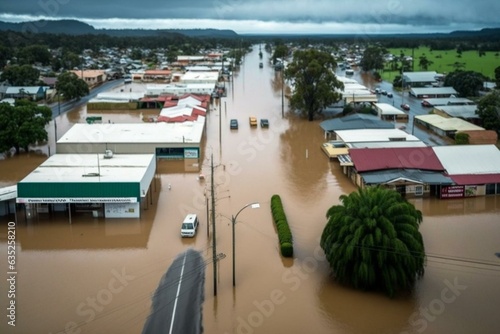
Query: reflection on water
{"type": "Point", "coordinates": [61, 265]}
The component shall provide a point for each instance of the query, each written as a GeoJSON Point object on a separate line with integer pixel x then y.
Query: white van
{"type": "Point", "coordinates": [189, 225]}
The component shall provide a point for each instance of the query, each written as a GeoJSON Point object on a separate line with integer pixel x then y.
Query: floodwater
{"type": "Point", "coordinates": [98, 276]}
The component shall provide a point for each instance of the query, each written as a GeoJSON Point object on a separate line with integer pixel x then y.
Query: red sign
{"type": "Point", "coordinates": [452, 191]}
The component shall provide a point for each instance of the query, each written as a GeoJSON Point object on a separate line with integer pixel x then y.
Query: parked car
{"type": "Point", "coordinates": [426, 104]}
{"type": "Point", "coordinates": [264, 123]}
{"type": "Point", "coordinates": [233, 124]}
{"type": "Point", "coordinates": [389, 94]}
{"type": "Point", "coordinates": [405, 106]}
{"type": "Point", "coordinates": [189, 225]}
{"type": "Point", "coordinates": [252, 120]}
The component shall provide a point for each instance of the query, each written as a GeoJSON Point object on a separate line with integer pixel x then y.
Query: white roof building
{"type": "Point", "coordinates": [469, 159]}
{"type": "Point", "coordinates": [198, 77]}
{"type": "Point", "coordinates": [444, 125]}
{"type": "Point", "coordinates": [385, 109]}
{"type": "Point", "coordinates": [135, 132]}
{"type": "Point", "coordinates": [180, 89]}
{"type": "Point", "coordinates": [374, 135]}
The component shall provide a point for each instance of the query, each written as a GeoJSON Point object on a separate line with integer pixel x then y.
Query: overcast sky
{"type": "Point", "coordinates": [265, 16]}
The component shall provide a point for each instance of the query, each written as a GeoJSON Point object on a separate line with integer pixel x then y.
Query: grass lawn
{"type": "Point", "coordinates": [443, 61]}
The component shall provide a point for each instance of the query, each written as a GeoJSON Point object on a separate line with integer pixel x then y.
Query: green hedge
{"type": "Point", "coordinates": [284, 232]}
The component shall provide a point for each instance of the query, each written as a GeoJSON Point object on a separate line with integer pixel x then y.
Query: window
{"type": "Point", "coordinates": [490, 189]}
{"type": "Point", "coordinates": [419, 190]}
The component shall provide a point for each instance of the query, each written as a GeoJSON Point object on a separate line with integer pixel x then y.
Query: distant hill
{"type": "Point", "coordinates": [75, 27]}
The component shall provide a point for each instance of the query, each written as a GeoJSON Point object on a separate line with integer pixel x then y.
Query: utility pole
{"type": "Point", "coordinates": [214, 250]}
{"type": "Point", "coordinates": [220, 122]}
{"type": "Point", "coordinates": [282, 95]}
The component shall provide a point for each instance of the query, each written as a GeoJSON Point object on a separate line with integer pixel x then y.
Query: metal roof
{"type": "Point", "coordinates": [412, 175]}
{"type": "Point", "coordinates": [161, 132]}
{"type": "Point", "coordinates": [27, 89]}
{"type": "Point", "coordinates": [355, 121]}
{"type": "Point", "coordinates": [374, 135]}
{"type": "Point", "coordinates": [89, 168]}
{"type": "Point", "coordinates": [201, 76]}
{"type": "Point", "coordinates": [388, 109]}
{"type": "Point", "coordinates": [428, 76]}
{"type": "Point", "coordinates": [443, 101]}
{"type": "Point", "coordinates": [469, 159]}
{"type": "Point", "coordinates": [369, 159]}
{"type": "Point", "coordinates": [476, 179]}
{"type": "Point", "coordinates": [464, 111]}
{"type": "Point", "coordinates": [448, 124]}
{"type": "Point", "coordinates": [434, 91]}
{"type": "Point", "coordinates": [7, 193]}
{"type": "Point", "coordinates": [382, 144]}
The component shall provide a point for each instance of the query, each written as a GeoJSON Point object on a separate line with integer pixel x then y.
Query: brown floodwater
{"type": "Point", "coordinates": [98, 276]}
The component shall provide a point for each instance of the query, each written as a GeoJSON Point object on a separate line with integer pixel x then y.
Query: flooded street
{"type": "Point", "coordinates": [98, 276]}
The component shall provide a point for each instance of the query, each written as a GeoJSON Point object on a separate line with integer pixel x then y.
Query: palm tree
{"type": "Point", "coordinates": [372, 241]}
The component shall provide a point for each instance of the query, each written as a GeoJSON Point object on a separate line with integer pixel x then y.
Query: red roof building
{"type": "Point", "coordinates": [372, 159]}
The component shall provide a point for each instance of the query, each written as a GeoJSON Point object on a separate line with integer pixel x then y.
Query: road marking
{"type": "Point", "coordinates": [177, 296]}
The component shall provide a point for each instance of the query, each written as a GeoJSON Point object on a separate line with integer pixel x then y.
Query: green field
{"type": "Point", "coordinates": [443, 60]}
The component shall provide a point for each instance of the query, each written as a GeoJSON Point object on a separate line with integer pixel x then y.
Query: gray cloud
{"type": "Point", "coordinates": [453, 13]}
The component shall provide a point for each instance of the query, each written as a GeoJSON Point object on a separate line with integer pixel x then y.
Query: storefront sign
{"type": "Point", "coordinates": [77, 200]}
{"type": "Point", "coordinates": [452, 191]}
{"type": "Point", "coordinates": [190, 153]}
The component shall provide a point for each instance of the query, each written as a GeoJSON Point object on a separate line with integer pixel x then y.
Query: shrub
{"type": "Point", "coordinates": [284, 232]}
{"type": "Point", "coordinates": [462, 138]}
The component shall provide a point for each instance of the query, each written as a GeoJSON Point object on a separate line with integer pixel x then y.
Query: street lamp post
{"type": "Point", "coordinates": [254, 205]}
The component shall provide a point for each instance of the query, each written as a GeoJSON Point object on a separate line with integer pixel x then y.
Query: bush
{"type": "Point", "coordinates": [284, 232]}
{"type": "Point", "coordinates": [462, 138]}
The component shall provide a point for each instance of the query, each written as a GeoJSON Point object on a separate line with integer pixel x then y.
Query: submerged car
{"type": "Point", "coordinates": [389, 94]}
{"type": "Point", "coordinates": [233, 124]}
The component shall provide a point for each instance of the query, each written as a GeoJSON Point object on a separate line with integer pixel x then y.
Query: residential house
{"type": "Point", "coordinates": [91, 77]}
{"type": "Point", "coordinates": [413, 172]}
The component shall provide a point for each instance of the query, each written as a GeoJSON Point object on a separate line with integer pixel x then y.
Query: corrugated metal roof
{"type": "Point", "coordinates": [465, 111]}
{"type": "Point", "coordinates": [63, 168]}
{"type": "Point", "coordinates": [443, 101]}
{"type": "Point", "coordinates": [189, 132]}
{"type": "Point", "coordinates": [469, 159]}
{"type": "Point", "coordinates": [448, 124]}
{"type": "Point", "coordinates": [427, 76]}
{"type": "Point", "coordinates": [387, 144]}
{"type": "Point", "coordinates": [374, 135]}
{"type": "Point", "coordinates": [356, 121]}
{"type": "Point", "coordinates": [7, 193]}
{"type": "Point", "coordinates": [387, 109]}
{"type": "Point", "coordinates": [369, 159]}
{"type": "Point", "coordinates": [433, 91]}
{"type": "Point", "coordinates": [476, 178]}
{"type": "Point", "coordinates": [412, 175]}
